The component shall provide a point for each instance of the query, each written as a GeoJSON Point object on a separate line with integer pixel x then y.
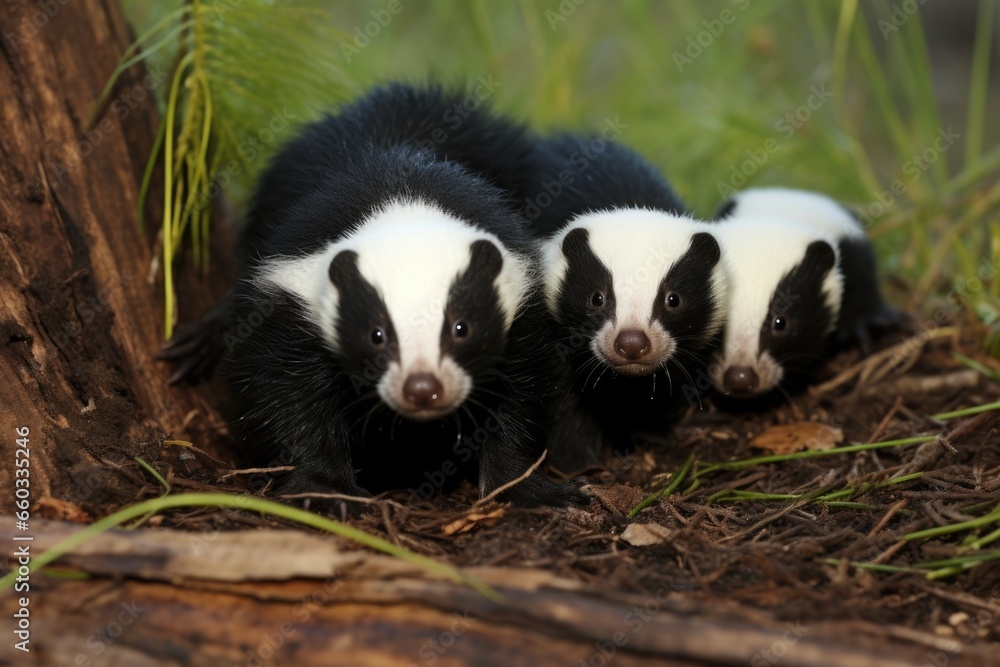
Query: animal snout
{"type": "Point", "coordinates": [423, 390]}
{"type": "Point", "coordinates": [632, 344]}
{"type": "Point", "coordinates": [740, 379]}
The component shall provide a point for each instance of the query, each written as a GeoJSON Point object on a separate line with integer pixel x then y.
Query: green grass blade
{"type": "Point", "coordinates": [938, 531]}
{"type": "Point", "coordinates": [967, 412]}
{"type": "Point", "coordinates": [678, 477]}
{"type": "Point", "coordinates": [979, 82]}
{"type": "Point", "coordinates": [245, 503]}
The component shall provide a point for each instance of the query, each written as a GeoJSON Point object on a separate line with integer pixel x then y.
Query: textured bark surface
{"type": "Point", "coordinates": [329, 605]}
{"type": "Point", "coordinates": [80, 322]}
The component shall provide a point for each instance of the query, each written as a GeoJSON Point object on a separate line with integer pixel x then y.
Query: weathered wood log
{"type": "Point", "coordinates": [329, 605]}
{"type": "Point", "coordinates": [79, 321]}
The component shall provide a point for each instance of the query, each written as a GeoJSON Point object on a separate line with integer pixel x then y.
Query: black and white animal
{"type": "Point", "coordinates": [803, 279]}
{"type": "Point", "coordinates": [635, 289]}
{"type": "Point", "coordinates": [389, 323]}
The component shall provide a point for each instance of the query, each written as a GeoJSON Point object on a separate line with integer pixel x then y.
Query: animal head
{"type": "Point", "coordinates": [414, 301]}
{"type": "Point", "coordinates": [784, 300]}
{"type": "Point", "coordinates": [639, 286]}
{"type": "Point", "coordinates": [823, 214]}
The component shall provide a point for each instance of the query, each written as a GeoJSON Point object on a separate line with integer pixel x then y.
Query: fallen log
{"type": "Point", "coordinates": [160, 597]}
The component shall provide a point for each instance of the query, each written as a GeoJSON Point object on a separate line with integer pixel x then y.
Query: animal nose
{"type": "Point", "coordinates": [422, 390]}
{"type": "Point", "coordinates": [740, 379]}
{"type": "Point", "coordinates": [632, 344]}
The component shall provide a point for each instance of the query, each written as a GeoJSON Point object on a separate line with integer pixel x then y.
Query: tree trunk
{"type": "Point", "coordinates": [80, 322]}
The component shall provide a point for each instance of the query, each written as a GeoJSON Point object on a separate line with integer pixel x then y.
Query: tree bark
{"type": "Point", "coordinates": [80, 323]}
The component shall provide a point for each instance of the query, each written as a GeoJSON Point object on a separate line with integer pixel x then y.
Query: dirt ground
{"type": "Point", "coordinates": [766, 554]}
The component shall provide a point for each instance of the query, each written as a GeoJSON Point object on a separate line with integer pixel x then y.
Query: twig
{"type": "Point", "coordinates": [888, 553]}
{"type": "Point", "coordinates": [253, 471]}
{"type": "Point", "coordinates": [887, 517]}
{"type": "Point", "coordinates": [899, 357]}
{"type": "Point", "coordinates": [885, 420]}
{"type": "Point", "coordinates": [500, 489]}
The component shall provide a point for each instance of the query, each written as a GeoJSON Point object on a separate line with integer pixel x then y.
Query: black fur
{"type": "Point", "coordinates": [602, 407]}
{"type": "Point", "coordinates": [585, 276]}
{"type": "Point", "coordinates": [447, 125]}
{"type": "Point", "coordinates": [575, 174]}
{"type": "Point", "coordinates": [799, 342]}
{"type": "Point", "coordinates": [689, 279]}
{"type": "Point", "coordinates": [863, 313]}
{"type": "Point", "coordinates": [598, 406]}
{"type": "Point", "coordinates": [298, 403]}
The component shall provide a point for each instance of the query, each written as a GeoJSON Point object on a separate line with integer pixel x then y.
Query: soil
{"type": "Point", "coordinates": [790, 558]}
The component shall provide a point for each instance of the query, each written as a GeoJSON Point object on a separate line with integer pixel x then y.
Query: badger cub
{"type": "Point", "coordinates": [635, 289]}
{"type": "Point", "coordinates": [393, 322]}
{"type": "Point", "coordinates": [803, 278]}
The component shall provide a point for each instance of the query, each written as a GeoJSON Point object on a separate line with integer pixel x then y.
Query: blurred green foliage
{"type": "Point", "coordinates": [721, 94]}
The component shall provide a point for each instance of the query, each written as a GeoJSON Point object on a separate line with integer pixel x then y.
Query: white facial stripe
{"type": "Point", "coordinates": [759, 252]}
{"type": "Point", "coordinates": [411, 252]}
{"type": "Point", "coordinates": [307, 278]}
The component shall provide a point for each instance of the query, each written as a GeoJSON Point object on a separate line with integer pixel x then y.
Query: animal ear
{"type": "Point", "coordinates": [726, 209]}
{"type": "Point", "coordinates": [705, 249]}
{"type": "Point", "coordinates": [576, 243]}
{"type": "Point", "coordinates": [820, 256]}
{"type": "Point", "coordinates": [486, 258]}
{"type": "Point", "coordinates": [343, 268]}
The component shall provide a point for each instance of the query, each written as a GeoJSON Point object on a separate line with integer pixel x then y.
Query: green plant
{"type": "Point", "coordinates": [242, 75]}
{"type": "Point", "coordinates": [800, 94]}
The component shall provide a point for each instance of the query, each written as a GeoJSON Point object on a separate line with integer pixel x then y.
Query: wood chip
{"type": "Point", "coordinates": [54, 508]}
{"type": "Point", "coordinates": [645, 534]}
{"type": "Point", "coordinates": [798, 436]}
{"type": "Point", "coordinates": [473, 519]}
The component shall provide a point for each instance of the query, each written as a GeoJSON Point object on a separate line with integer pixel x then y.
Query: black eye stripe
{"type": "Point", "coordinates": [586, 277]}
{"type": "Point", "coordinates": [364, 328]}
{"type": "Point", "coordinates": [686, 300]}
{"type": "Point", "coordinates": [798, 303]}
{"type": "Point", "coordinates": [474, 326]}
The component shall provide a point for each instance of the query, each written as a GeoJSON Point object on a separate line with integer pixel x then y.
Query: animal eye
{"type": "Point", "coordinates": [779, 323]}
{"type": "Point", "coordinates": [461, 329]}
{"type": "Point", "coordinates": [378, 337]}
{"type": "Point", "coordinates": [597, 299]}
{"type": "Point", "coordinates": [673, 300]}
